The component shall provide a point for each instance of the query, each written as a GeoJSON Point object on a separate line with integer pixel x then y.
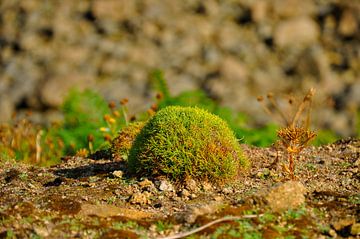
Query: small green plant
{"type": "Point", "coordinates": [25, 141]}
{"type": "Point", "coordinates": [83, 116]}
{"type": "Point", "coordinates": [185, 142]}
{"type": "Point", "coordinates": [295, 135]}
{"type": "Point", "coordinates": [162, 226]}
{"type": "Point", "coordinates": [295, 213]}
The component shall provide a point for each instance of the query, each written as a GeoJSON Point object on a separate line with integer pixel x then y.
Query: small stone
{"type": "Point", "coordinates": [145, 183]}
{"type": "Point", "coordinates": [140, 198]}
{"type": "Point", "coordinates": [332, 233]}
{"type": "Point", "coordinates": [227, 190]}
{"type": "Point", "coordinates": [166, 186]}
{"type": "Point", "coordinates": [355, 229]}
{"type": "Point", "coordinates": [193, 196]}
{"type": "Point", "coordinates": [41, 231]}
{"type": "Point", "coordinates": [206, 186]}
{"type": "Point", "coordinates": [185, 193]}
{"type": "Point", "coordinates": [286, 196]}
{"type": "Point", "coordinates": [194, 211]}
{"type": "Point", "coordinates": [118, 173]}
{"type": "Point", "coordinates": [191, 185]}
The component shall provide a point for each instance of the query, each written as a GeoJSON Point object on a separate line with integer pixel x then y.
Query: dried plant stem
{"type": "Point", "coordinates": [307, 99]}
{"type": "Point", "coordinates": [124, 112]}
{"type": "Point", "coordinates": [277, 108]}
{"type": "Point", "coordinates": [38, 146]}
{"type": "Point", "coordinates": [291, 166]}
{"type": "Point", "coordinates": [223, 219]}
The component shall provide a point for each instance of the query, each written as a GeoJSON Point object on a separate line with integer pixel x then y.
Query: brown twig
{"type": "Point", "coordinates": [223, 219]}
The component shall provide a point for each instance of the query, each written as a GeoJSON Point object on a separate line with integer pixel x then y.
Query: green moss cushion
{"type": "Point", "coordinates": [184, 141]}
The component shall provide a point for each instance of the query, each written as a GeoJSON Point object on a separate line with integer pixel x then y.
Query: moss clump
{"type": "Point", "coordinates": [184, 141]}
{"type": "Point", "coordinates": [121, 144]}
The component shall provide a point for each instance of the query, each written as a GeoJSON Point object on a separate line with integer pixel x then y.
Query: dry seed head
{"type": "Point", "coordinates": [154, 107]}
{"type": "Point", "coordinates": [270, 95]}
{"type": "Point", "coordinates": [295, 138]}
{"type": "Point", "coordinates": [116, 113]}
{"type": "Point", "coordinates": [124, 101]}
{"type": "Point", "coordinates": [159, 96]}
{"type": "Point", "coordinates": [107, 137]}
{"type": "Point", "coordinates": [112, 120]}
{"type": "Point", "coordinates": [90, 138]}
{"type": "Point", "coordinates": [107, 117]}
{"type": "Point", "coordinates": [112, 105]}
{"type": "Point", "coordinates": [132, 118]}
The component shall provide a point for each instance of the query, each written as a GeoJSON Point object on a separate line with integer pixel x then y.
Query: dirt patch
{"type": "Point", "coordinates": [88, 198]}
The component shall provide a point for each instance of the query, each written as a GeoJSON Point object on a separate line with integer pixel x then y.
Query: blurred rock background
{"type": "Point", "coordinates": [234, 50]}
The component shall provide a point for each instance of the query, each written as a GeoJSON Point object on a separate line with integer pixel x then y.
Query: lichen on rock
{"type": "Point", "coordinates": [181, 142]}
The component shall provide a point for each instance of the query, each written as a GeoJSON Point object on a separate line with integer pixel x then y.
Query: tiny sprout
{"type": "Point", "coordinates": [124, 101]}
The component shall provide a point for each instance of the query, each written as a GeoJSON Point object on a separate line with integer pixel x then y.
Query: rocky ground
{"type": "Point", "coordinates": [86, 198]}
{"type": "Point", "coordinates": [234, 50]}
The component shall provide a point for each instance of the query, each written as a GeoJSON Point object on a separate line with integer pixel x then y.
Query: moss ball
{"type": "Point", "coordinates": [181, 142]}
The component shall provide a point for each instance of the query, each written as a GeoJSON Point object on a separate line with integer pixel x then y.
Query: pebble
{"type": "Point", "coordinates": [227, 190]}
{"type": "Point", "coordinates": [286, 196]}
{"type": "Point", "coordinates": [118, 173]}
{"type": "Point", "coordinates": [141, 198]}
{"type": "Point", "coordinates": [146, 183]}
{"type": "Point", "coordinates": [166, 186]}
